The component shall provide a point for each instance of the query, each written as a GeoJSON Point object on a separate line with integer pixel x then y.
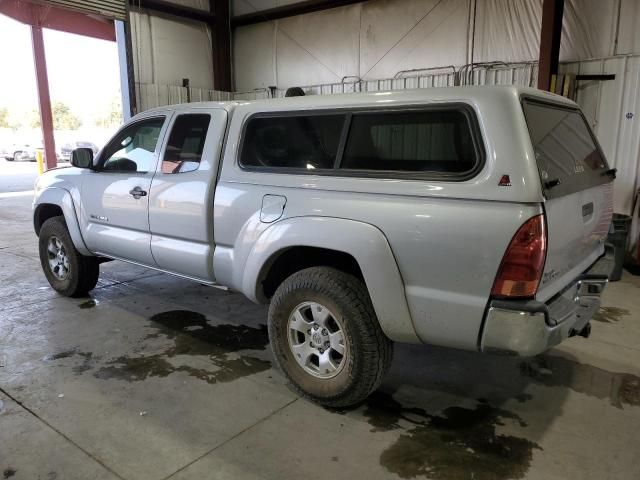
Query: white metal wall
{"type": "Point", "coordinates": [166, 50]}
{"type": "Point", "coordinates": [379, 38]}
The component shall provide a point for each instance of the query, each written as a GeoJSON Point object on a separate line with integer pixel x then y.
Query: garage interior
{"type": "Point", "coordinates": [156, 377]}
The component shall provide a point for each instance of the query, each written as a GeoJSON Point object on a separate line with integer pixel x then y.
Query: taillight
{"type": "Point", "coordinates": [522, 264]}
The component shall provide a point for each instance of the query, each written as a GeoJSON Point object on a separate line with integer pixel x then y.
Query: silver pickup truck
{"type": "Point", "coordinates": [472, 218]}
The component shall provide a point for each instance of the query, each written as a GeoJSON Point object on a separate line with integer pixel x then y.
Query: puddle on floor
{"type": "Point", "coordinates": [224, 346]}
{"type": "Point", "coordinates": [9, 472]}
{"type": "Point", "coordinates": [193, 335]}
{"type": "Point", "coordinates": [610, 314]}
{"type": "Point", "coordinates": [457, 443]}
{"type": "Point", "coordinates": [60, 355]}
{"type": "Point", "coordinates": [618, 388]}
{"type": "Point", "coordinates": [464, 443]}
{"type": "Point", "coordinates": [87, 359]}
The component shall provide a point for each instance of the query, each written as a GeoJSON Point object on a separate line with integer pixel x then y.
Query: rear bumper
{"type": "Point", "coordinates": [527, 328]}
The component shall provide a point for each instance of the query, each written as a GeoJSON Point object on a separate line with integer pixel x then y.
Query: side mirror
{"type": "Point", "coordinates": [82, 158]}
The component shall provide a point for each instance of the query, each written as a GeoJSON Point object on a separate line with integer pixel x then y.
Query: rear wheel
{"type": "Point", "coordinates": [326, 337]}
{"type": "Point", "coordinates": [68, 271]}
{"type": "Point", "coordinates": [17, 156]}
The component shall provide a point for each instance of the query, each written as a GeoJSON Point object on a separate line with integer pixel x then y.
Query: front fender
{"type": "Point", "coordinates": [62, 198]}
{"type": "Point", "coordinates": [366, 243]}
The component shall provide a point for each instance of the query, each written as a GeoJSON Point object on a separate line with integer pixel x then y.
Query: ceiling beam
{"type": "Point", "coordinates": [173, 9]}
{"type": "Point", "coordinates": [290, 10]}
{"type": "Point", "coordinates": [61, 19]}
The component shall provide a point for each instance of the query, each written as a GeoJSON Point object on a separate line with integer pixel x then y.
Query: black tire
{"type": "Point", "coordinates": [17, 156]}
{"type": "Point", "coordinates": [369, 352]}
{"type": "Point", "coordinates": [83, 271]}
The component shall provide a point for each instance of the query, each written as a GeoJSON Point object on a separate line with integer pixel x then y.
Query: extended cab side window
{"type": "Point", "coordinates": [186, 142]}
{"type": "Point", "coordinates": [429, 141]}
{"type": "Point", "coordinates": [292, 141]}
{"type": "Point", "coordinates": [132, 150]}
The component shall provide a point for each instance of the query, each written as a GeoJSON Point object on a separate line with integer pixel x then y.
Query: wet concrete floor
{"type": "Point", "coordinates": [154, 377]}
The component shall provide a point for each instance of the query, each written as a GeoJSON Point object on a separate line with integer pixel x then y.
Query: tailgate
{"type": "Point", "coordinates": [578, 187]}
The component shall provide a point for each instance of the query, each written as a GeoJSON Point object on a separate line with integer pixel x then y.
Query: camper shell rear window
{"type": "Point", "coordinates": [567, 153]}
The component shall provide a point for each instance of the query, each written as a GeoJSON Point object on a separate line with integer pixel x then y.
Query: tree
{"type": "Point", "coordinates": [113, 115]}
{"type": "Point", "coordinates": [63, 119]}
{"type": "Point", "coordinates": [4, 118]}
{"type": "Point", "coordinates": [33, 119]}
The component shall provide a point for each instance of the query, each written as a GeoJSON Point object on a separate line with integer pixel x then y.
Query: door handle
{"type": "Point", "coordinates": [137, 193]}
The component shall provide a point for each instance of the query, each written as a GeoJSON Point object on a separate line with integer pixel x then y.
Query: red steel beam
{"type": "Point", "coordinates": [60, 19]}
{"type": "Point", "coordinates": [550, 35]}
{"type": "Point", "coordinates": [44, 100]}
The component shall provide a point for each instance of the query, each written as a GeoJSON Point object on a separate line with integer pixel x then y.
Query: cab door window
{"type": "Point", "coordinates": [133, 149]}
{"type": "Point", "coordinates": [186, 143]}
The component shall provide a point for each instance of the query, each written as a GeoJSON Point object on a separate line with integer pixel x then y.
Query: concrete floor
{"type": "Point", "coordinates": [155, 377]}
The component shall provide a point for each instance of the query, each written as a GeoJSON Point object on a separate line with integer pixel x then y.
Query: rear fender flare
{"type": "Point", "coordinates": [364, 242]}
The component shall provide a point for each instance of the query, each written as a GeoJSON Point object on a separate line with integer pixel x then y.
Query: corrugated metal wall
{"type": "Point", "coordinates": [116, 9]}
{"type": "Point", "coordinates": [151, 95]}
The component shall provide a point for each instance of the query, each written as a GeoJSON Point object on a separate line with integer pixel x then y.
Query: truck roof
{"type": "Point", "coordinates": [436, 94]}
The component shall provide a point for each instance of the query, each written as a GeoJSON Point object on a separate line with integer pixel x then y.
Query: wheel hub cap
{"type": "Point", "coordinates": [316, 339]}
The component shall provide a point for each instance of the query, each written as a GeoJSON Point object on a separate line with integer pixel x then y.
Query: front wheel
{"type": "Point", "coordinates": [68, 271]}
{"type": "Point", "coordinates": [17, 156]}
{"type": "Point", "coordinates": [326, 338]}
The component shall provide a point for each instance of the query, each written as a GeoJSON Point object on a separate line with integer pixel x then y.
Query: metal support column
{"type": "Point", "coordinates": [46, 118]}
{"type": "Point", "coordinates": [221, 45]}
{"type": "Point", "coordinates": [550, 34]}
{"type": "Point", "coordinates": [127, 87]}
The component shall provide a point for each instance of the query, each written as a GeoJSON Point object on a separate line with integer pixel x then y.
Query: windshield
{"type": "Point", "coordinates": [568, 157]}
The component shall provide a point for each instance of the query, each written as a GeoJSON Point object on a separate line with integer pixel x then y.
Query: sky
{"type": "Point", "coordinates": [83, 72]}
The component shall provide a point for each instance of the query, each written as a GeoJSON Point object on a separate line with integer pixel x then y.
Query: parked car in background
{"type": "Point", "coordinates": [67, 148]}
{"type": "Point", "coordinates": [473, 218]}
{"type": "Point", "coordinates": [22, 152]}
{"type": "Point", "coordinates": [4, 151]}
